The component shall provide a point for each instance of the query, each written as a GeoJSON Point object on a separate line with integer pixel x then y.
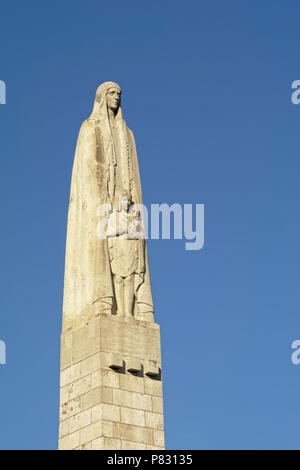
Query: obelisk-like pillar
{"type": "Point", "coordinates": [110, 386]}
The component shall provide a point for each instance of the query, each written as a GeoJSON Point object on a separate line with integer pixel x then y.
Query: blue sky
{"type": "Point", "coordinates": [207, 92]}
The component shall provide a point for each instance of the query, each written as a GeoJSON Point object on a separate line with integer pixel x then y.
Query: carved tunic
{"type": "Point", "coordinates": [126, 255]}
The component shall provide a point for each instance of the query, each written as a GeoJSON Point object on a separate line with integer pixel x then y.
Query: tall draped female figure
{"type": "Point", "coordinates": [105, 166]}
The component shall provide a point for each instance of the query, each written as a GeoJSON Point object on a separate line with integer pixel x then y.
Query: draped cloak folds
{"type": "Point", "coordinates": [88, 285]}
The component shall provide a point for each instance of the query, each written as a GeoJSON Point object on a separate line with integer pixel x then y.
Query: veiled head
{"type": "Point", "coordinates": [108, 95]}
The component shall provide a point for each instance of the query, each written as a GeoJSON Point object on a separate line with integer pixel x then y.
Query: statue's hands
{"type": "Point", "coordinates": [134, 230]}
{"type": "Point", "coordinates": [133, 215]}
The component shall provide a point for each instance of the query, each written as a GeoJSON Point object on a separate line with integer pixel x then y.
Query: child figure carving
{"type": "Point", "coordinates": [126, 253]}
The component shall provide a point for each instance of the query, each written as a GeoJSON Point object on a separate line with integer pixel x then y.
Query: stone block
{"type": "Point", "coordinates": [131, 383]}
{"type": "Point", "coordinates": [132, 400]}
{"type": "Point", "coordinates": [106, 443]}
{"type": "Point", "coordinates": [151, 368]}
{"type": "Point", "coordinates": [80, 387]}
{"type": "Point", "coordinates": [66, 351]}
{"type": "Point", "coordinates": [95, 396]}
{"type": "Point", "coordinates": [64, 394]}
{"type": "Point", "coordinates": [116, 361]}
{"type": "Point", "coordinates": [130, 338]}
{"type": "Point", "coordinates": [90, 364]}
{"type": "Point", "coordinates": [107, 429]}
{"type": "Point", "coordinates": [159, 439]}
{"type": "Point", "coordinates": [133, 364]}
{"type": "Point", "coordinates": [132, 416]}
{"type": "Point", "coordinates": [86, 446]}
{"type": "Point", "coordinates": [154, 420]}
{"type": "Point", "coordinates": [106, 411]}
{"type": "Point", "coordinates": [129, 432]}
{"type": "Point", "coordinates": [69, 442]}
{"type": "Point", "coordinates": [69, 375]}
{"type": "Point", "coordinates": [129, 445]}
{"type": "Point", "coordinates": [157, 404]}
{"type": "Point", "coordinates": [153, 387]}
{"type": "Point", "coordinates": [151, 447]}
{"type": "Point", "coordinates": [91, 432]}
{"type": "Point", "coordinates": [90, 399]}
{"type": "Point", "coordinates": [109, 378]}
{"type": "Point", "coordinates": [69, 408]}
{"type": "Point", "coordinates": [64, 428]}
{"type": "Point", "coordinates": [86, 341]}
{"type": "Point", "coordinates": [80, 420]}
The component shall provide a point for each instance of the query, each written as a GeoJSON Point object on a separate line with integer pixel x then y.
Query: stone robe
{"type": "Point", "coordinates": [105, 164]}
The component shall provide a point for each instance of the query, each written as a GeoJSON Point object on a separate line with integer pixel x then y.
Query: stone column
{"type": "Point", "coordinates": [110, 386]}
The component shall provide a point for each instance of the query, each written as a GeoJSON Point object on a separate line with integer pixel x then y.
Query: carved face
{"type": "Point", "coordinates": [124, 203]}
{"type": "Point", "coordinates": [113, 98]}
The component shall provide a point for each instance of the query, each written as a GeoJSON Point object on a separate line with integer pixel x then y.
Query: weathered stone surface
{"type": "Point", "coordinates": [86, 446]}
{"type": "Point", "coordinates": [152, 368]}
{"type": "Point", "coordinates": [70, 374]}
{"type": "Point", "coordinates": [132, 400]}
{"type": "Point", "coordinates": [150, 447]}
{"type": "Point", "coordinates": [110, 378]}
{"type": "Point", "coordinates": [69, 442]}
{"type": "Point", "coordinates": [107, 412]}
{"type": "Point", "coordinates": [157, 404]}
{"type": "Point", "coordinates": [89, 365]}
{"type": "Point", "coordinates": [80, 420]}
{"type": "Point", "coordinates": [130, 338]}
{"type": "Point", "coordinates": [133, 433]}
{"type": "Point", "coordinates": [132, 416]}
{"type": "Point", "coordinates": [153, 387]}
{"type": "Point", "coordinates": [129, 445]}
{"type": "Point", "coordinates": [95, 396]}
{"type": "Point", "coordinates": [111, 407]}
{"type": "Point", "coordinates": [80, 387]}
{"type": "Point", "coordinates": [91, 432]}
{"type": "Point", "coordinates": [64, 428]}
{"type": "Point", "coordinates": [132, 383]}
{"type": "Point", "coordinates": [106, 443]}
{"type": "Point", "coordinates": [154, 420]}
{"type": "Point", "coordinates": [69, 408]}
{"type": "Point", "coordinates": [159, 438]}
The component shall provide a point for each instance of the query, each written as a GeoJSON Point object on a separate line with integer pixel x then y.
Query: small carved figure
{"type": "Point", "coordinates": [126, 252]}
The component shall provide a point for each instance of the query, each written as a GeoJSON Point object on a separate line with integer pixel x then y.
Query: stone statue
{"type": "Point", "coordinates": [107, 275]}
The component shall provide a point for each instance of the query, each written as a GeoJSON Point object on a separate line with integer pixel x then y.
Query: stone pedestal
{"type": "Point", "coordinates": [110, 386]}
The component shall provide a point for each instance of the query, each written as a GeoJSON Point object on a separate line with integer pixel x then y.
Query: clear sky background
{"type": "Point", "coordinates": [207, 92]}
